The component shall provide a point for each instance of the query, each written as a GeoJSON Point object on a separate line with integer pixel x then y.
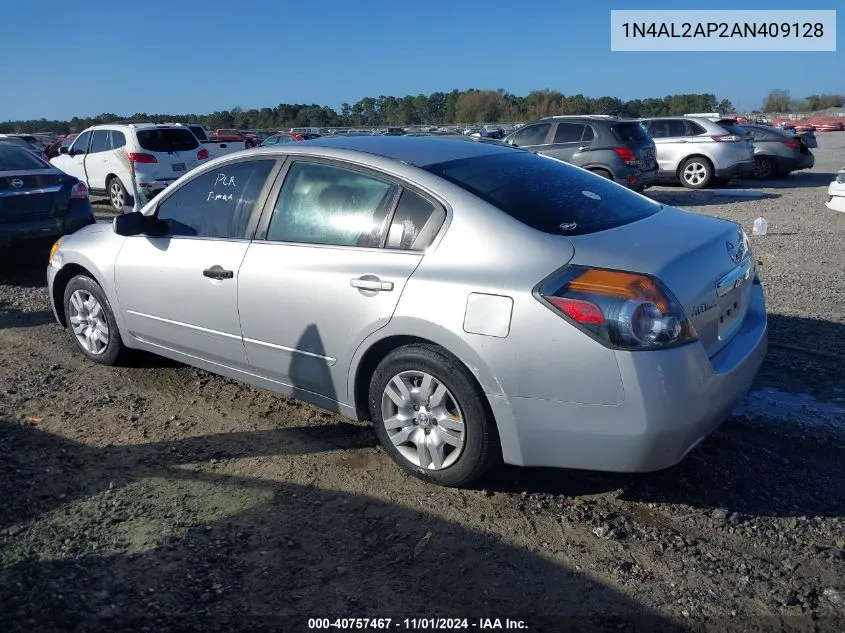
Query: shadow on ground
{"type": "Point", "coordinates": [123, 538]}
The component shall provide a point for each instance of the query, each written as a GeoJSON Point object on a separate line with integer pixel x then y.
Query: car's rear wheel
{"type": "Point", "coordinates": [91, 321]}
{"type": "Point", "coordinates": [118, 195]}
{"type": "Point", "coordinates": [696, 173]}
{"type": "Point", "coordinates": [430, 417]}
{"type": "Point", "coordinates": [763, 168]}
{"type": "Point", "coordinates": [603, 173]}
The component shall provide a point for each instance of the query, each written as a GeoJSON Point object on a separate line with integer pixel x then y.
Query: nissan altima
{"type": "Point", "coordinates": [477, 302]}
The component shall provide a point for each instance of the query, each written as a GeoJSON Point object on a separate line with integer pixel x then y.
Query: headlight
{"type": "Point", "coordinates": [55, 258]}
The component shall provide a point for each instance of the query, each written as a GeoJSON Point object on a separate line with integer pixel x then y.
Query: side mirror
{"type": "Point", "coordinates": [136, 223]}
{"type": "Point", "coordinates": [63, 149]}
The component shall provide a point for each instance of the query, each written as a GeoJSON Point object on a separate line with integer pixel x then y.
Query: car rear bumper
{"type": "Point", "coordinates": [804, 161]}
{"type": "Point", "coordinates": [739, 170]}
{"type": "Point", "coordinates": [18, 232]}
{"type": "Point", "coordinates": [673, 400]}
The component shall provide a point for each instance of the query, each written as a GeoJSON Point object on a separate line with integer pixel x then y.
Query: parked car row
{"type": "Point", "coordinates": [697, 151]}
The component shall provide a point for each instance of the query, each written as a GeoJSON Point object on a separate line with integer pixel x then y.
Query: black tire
{"type": "Point", "coordinates": [696, 173]}
{"type": "Point", "coordinates": [114, 348]}
{"type": "Point", "coordinates": [603, 173]}
{"type": "Point", "coordinates": [117, 192]}
{"type": "Point", "coordinates": [764, 168]}
{"type": "Point", "coordinates": [481, 449]}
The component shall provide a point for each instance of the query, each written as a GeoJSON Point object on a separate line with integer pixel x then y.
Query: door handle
{"type": "Point", "coordinates": [583, 148]}
{"type": "Point", "coordinates": [217, 272]}
{"type": "Point", "coordinates": [371, 284]}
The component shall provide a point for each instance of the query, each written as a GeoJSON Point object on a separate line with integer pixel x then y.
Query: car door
{"type": "Point", "coordinates": [567, 144]}
{"type": "Point", "coordinates": [179, 291]}
{"type": "Point", "coordinates": [326, 270]}
{"type": "Point", "coordinates": [669, 142]}
{"type": "Point", "coordinates": [97, 159]}
{"type": "Point", "coordinates": [531, 137]}
{"type": "Point", "coordinates": [73, 162]}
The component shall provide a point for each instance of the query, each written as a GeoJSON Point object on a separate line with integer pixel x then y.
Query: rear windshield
{"type": "Point", "coordinates": [15, 158]}
{"type": "Point", "coordinates": [167, 140]}
{"type": "Point", "coordinates": [630, 131]}
{"type": "Point", "coordinates": [546, 194]}
{"type": "Point", "coordinates": [733, 127]}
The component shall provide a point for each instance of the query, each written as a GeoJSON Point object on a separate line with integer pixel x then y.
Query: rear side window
{"type": "Point", "coordinates": [14, 158]}
{"type": "Point", "coordinates": [546, 194]}
{"type": "Point", "coordinates": [118, 139]}
{"type": "Point", "coordinates": [199, 132]}
{"type": "Point", "coordinates": [695, 129]}
{"type": "Point", "coordinates": [415, 222]}
{"type": "Point", "coordinates": [629, 132]}
{"type": "Point", "coordinates": [218, 203]}
{"type": "Point", "coordinates": [167, 140]}
{"type": "Point", "coordinates": [569, 132]}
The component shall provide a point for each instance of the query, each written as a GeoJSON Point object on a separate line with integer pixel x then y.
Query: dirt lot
{"type": "Point", "coordinates": [159, 497]}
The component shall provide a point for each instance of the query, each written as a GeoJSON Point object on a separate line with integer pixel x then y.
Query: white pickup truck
{"type": "Point", "coordinates": [215, 148]}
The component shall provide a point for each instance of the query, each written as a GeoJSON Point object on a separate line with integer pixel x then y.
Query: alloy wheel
{"type": "Point", "coordinates": [88, 320]}
{"type": "Point", "coordinates": [118, 200]}
{"type": "Point", "coordinates": [695, 173]}
{"type": "Point", "coordinates": [423, 420]}
{"type": "Point", "coordinates": [762, 169]}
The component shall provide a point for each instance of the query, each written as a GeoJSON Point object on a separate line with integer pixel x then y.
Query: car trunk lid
{"type": "Point", "coordinates": [30, 194]}
{"type": "Point", "coordinates": [704, 261]}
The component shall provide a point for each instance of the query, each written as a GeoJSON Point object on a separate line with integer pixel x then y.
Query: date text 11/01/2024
{"type": "Point", "coordinates": [723, 29]}
{"type": "Point", "coordinates": [416, 624]}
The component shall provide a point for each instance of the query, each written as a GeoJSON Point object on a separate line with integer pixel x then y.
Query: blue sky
{"type": "Point", "coordinates": [180, 56]}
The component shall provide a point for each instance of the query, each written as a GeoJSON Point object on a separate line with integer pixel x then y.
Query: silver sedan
{"type": "Point", "coordinates": [475, 301]}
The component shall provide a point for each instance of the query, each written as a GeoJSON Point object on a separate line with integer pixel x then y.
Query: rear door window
{"type": "Point", "coordinates": [100, 141]}
{"type": "Point", "coordinates": [167, 140]}
{"type": "Point", "coordinates": [546, 194]}
{"type": "Point", "coordinates": [569, 132]}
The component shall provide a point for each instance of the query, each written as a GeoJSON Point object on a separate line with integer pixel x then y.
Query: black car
{"type": "Point", "coordinates": [613, 147]}
{"type": "Point", "coordinates": [36, 199]}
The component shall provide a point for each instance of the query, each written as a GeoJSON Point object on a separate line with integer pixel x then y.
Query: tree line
{"type": "Point", "coordinates": [438, 108]}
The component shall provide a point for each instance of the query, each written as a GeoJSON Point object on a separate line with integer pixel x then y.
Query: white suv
{"type": "Point", "coordinates": [126, 160]}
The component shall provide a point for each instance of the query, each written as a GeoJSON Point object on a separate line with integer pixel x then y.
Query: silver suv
{"type": "Point", "coordinates": [700, 151]}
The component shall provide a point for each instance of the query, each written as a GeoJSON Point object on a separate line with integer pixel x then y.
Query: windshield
{"type": "Point", "coordinates": [15, 158]}
{"type": "Point", "coordinates": [546, 194]}
{"type": "Point", "coordinates": [167, 140]}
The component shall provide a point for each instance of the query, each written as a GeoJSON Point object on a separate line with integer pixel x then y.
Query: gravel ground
{"type": "Point", "coordinates": [159, 497]}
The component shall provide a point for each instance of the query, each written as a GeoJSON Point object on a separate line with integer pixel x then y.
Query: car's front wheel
{"type": "Point", "coordinates": [91, 321]}
{"type": "Point", "coordinates": [118, 195]}
{"type": "Point", "coordinates": [429, 416]}
{"type": "Point", "coordinates": [696, 173]}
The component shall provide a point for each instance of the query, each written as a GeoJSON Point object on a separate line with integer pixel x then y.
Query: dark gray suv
{"type": "Point", "coordinates": [616, 148]}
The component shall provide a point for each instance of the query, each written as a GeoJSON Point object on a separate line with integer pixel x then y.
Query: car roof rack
{"type": "Point", "coordinates": [581, 116]}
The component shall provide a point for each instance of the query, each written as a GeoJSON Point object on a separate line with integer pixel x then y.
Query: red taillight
{"type": "Point", "coordinates": [793, 143]}
{"type": "Point", "coordinates": [728, 138]}
{"type": "Point", "coordinates": [79, 191]}
{"type": "Point", "coordinates": [626, 154]}
{"type": "Point", "coordinates": [137, 157]}
{"type": "Point", "coordinates": [202, 154]}
{"type": "Point", "coordinates": [582, 311]}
